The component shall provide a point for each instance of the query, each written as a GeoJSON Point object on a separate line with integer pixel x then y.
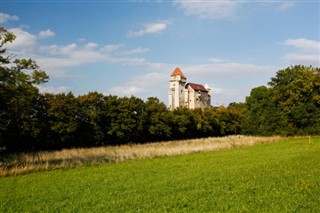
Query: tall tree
{"type": "Point", "coordinates": [19, 98]}
{"type": "Point", "coordinates": [262, 112]}
{"type": "Point", "coordinates": [296, 92]}
{"type": "Point", "coordinates": [291, 105]}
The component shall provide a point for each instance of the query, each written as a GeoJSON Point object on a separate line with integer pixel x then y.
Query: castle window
{"type": "Point", "coordinates": [181, 91]}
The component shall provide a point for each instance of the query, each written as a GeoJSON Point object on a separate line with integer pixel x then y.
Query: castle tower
{"type": "Point", "coordinates": [176, 92]}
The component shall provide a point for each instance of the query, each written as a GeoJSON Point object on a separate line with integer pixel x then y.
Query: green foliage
{"type": "Point", "coordinates": [289, 107]}
{"type": "Point", "coordinates": [20, 109]}
{"type": "Point", "coordinates": [156, 120]}
{"type": "Point", "coordinates": [276, 177]}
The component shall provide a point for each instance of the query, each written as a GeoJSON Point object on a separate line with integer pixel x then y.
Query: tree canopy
{"type": "Point", "coordinates": [290, 105]}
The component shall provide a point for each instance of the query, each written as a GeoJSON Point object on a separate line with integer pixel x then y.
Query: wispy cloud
{"type": "Point", "coordinates": [45, 34]}
{"type": "Point", "coordinates": [74, 55]}
{"type": "Point", "coordinates": [209, 9]}
{"type": "Point", "coordinates": [138, 50]}
{"type": "Point", "coordinates": [223, 69]}
{"type": "Point", "coordinates": [55, 57]}
{"type": "Point", "coordinates": [152, 83]}
{"type": "Point", "coordinates": [149, 29]}
{"type": "Point", "coordinates": [285, 6]}
{"type": "Point", "coordinates": [53, 90]}
{"type": "Point", "coordinates": [6, 17]}
{"type": "Point", "coordinates": [216, 60]}
{"type": "Point", "coordinates": [304, 44]}
{"type": "Point", "coordinates": [111, 47]}
{"type": "Point", "coordinates": [124, 90]}
{"type": "Point", "coordinates": [307, 52]}
{"type": "Point", "coordinates": [91, 45]}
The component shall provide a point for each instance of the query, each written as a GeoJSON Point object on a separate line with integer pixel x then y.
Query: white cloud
{"type": "Point", "coordinates": [216, 60]}
{"type": "Point", "coordinates": [91, 45]}
{"type": "Point", "coordinates": [125, 90]}
{"type": "Point", "coordinates": [45, 34]}
{"type": "Point", "coordinates": [285, 6]}
{"type": "Point", "coordinates": [307, 52]}
{"type": "Point", "coordinates": [209, 9]}
{"type": "Point", "coordinates": [83, 56]}
{"type": "Point", "coordinates": [128, 60]}
{"type": "Point", "coordinates": [149, 29]}
{"type": "Point", "coordinates": [303, 44]}
{"type": "Point", "coordinates": [138, 50]}
{"type": "Point", "coordinates": [300, 58]}
{"type": "Point", "coordinates": [56, 59]}
{"type": "Point", "coordinates": [59, 50]}
{"type": "Point", "coordinates": [24, 40]}
{"type": "Point", "coordinates": [226, 69]}
{"type": "Point", "coordinates": [111, 47]}
{"type": "Point", "coordinates": [217, 90]}
{"type": "Point", "coordinates": [53, 90]}
{"type": "Point", "coordinates": [6, 17]}
{"type": "Point", "coordinates": [152, 83]}
{"type": "Point", "coordinates": [59, 57]}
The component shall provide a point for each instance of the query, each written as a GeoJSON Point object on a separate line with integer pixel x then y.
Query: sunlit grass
{"type": "Point", "coordinates": [43, 161]}
{"type": "Point", "coordinates": [272, 177]}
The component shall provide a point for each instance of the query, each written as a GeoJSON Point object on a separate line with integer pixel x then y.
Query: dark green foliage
{"type": "Point", "coordinates": [290, 106]}
{"type": "Point", "coordinates": [21, 105]}
{"type": "Point", "coordinates": [157, 120]}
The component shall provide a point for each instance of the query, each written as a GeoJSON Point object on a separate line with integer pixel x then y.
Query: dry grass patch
{"type": "Point", "coordinates": [42, 161]}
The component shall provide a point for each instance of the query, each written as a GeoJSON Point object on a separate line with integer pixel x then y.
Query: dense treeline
{"type": "Point", "coordinates": [63, 121]}
{"type": "Point", "coordinates": [33, 121]}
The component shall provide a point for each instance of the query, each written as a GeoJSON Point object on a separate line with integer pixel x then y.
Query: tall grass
{"type": "Point", "coordinates": [42, 161]}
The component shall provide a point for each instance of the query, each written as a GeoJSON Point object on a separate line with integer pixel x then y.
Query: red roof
{"type": "Point", "coordinates": [177, 71]}
{"type": "Point", "coordinates": [197, 87]}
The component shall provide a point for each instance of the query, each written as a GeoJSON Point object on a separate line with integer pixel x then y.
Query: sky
{"type": "Point", "coordinates": [127, 48]}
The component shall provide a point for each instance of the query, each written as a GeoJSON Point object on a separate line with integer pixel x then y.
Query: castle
{"type": "Point", "coordinates": [189, 95]}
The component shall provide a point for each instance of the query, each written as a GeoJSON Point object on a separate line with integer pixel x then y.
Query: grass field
{"type": "Point", "coordinates": [66, 158]}
{"type": "Point", "coordinates": [272, 177]}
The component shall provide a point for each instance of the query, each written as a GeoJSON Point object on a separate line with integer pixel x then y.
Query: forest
{"type": "Point", "coordinates": [32, 121]}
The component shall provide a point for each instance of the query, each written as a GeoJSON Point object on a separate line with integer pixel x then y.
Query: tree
{"type": "Point", "coordinates": [94, 118]}
{"type": "Point", "coordinates": [201, 123]}
{"type": "Point", "coordinates": [19, 98]}
{"type": "Point", "coordinates": [157, 120]}
{"type": "Point", "coordinates": [229, 120]}
{"type": "Point", "coordinates": [182, 126]}
{"type": "Point", "coordinates": [296, 93]}
{"type": "Point", "coordinates": [126, 120]}
{"type": "Point", "coordinates": [261, 112]}
{"type": "Point", "coordinates": [66, 121]}
{"type": "Point", "coordinates": [291, 105]}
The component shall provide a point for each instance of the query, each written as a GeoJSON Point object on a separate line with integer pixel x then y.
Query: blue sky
{"type": "Point", "coordinates": [129, 48]}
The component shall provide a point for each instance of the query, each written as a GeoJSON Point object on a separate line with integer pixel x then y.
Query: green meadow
{"type": "Point", "coordinates": [281, 176]}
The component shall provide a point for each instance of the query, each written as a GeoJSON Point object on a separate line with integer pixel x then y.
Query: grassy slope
{"type": "Point", "coordinates": [274, 177]}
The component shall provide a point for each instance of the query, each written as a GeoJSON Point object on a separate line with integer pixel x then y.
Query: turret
{"type": "Point", "coordinates": [177, 83]}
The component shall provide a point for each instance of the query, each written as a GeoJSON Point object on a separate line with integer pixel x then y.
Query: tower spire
{"type": "Point", "coordinates": [176, 72]}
